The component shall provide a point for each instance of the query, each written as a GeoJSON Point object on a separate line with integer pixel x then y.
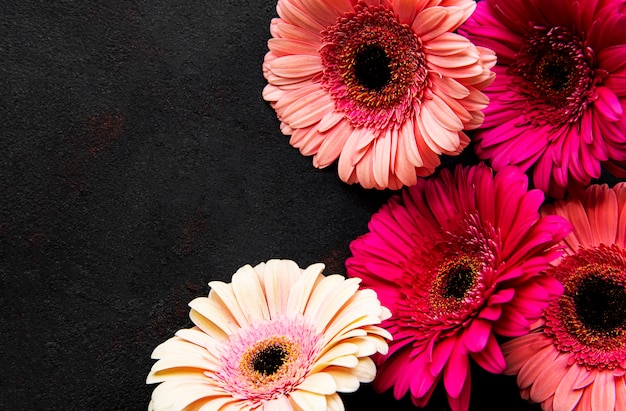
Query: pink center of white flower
{"type": "Point", "coordinates": [268, 359]}
{"type": "Point", "coordinates": [374, 67]}
{"type": "Point", "coordinates": [589, 319]}
{"type": "Point", "coordinates": [556, 72]}
{"type": "Point", "coordinates": [451, 277]}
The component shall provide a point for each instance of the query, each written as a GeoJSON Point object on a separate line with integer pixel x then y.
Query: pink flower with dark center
{"type": "Point", "coordinates": [278, 338]}
{"type": "Point", "coordinates": [457, 259]}
{"type": "Point", "coordinates": [383, 86]}
{"type": "Point", "coordinates": [576, 357]}
{"type": "Point", "coordinates": [558, 103]}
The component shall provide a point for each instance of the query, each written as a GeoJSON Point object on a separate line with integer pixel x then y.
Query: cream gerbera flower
{"type": "Point", "coordinates": [277, 338]}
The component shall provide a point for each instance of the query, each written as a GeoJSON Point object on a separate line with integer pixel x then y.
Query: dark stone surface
{"type": "Point", "coordinates": [139, 163]}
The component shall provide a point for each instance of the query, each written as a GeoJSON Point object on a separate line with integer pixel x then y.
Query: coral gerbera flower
{"type": "Point", "coordinates": [576, 358]}
{"type": "Point", "coordinates": [276, 338]}
{"type": "Point", "coordinates": [385, 86]}
{"type": "Point", "coordinates": [558, 103]}
{"type": "Point", "coordinates": [457, 259]}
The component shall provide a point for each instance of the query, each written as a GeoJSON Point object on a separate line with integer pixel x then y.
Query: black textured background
{"type": "Point", "coordinates": [139, 162]}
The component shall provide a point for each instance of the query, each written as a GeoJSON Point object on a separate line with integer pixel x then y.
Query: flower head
{"type": "Point", "coordinates": [558, 103]}
{"type": "Point", "coordinates": [384, 86]}
{"type": "Point", "coordinates": [576, 357]}
{"type": "Point", "coordinates": [276, 338]}
{"type": "Point", "coordinates": [457, 259]}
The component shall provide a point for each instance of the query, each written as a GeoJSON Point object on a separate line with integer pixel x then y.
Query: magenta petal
{"type": "Point", "coordinates": [475, 337]}
{"type": "Point", "coordinates": [503, 296]}
{"type": "Point", "coordinates": [441, 354]}
{"type": "Point", "coordinates": [455, 372]}
{"type": "Point", "coordinates": [461, 403]}
{"type": "Point", "coordinates": [608, 104]}
{"type": "Point", "coordinates": [491, 358]}
{"type": "Point", "coordinates": [491, 313]}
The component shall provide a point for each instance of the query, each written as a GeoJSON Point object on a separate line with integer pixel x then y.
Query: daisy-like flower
{"type": "Point", "coordinates": [277, 338]}
{"type": "Point", "coordinates": [457, 259]}
{"type": "Point", "coordinates": [558, 103]}
{"type": "Point", "coordinates": [385, 86]}
{"type": "Point", "coordinates": [576, 358]}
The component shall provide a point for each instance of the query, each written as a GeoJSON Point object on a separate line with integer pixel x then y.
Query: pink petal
{"type": "Point", "coordinates": [548, 380]}
{"type": "Point", "coordinates": [565, 394]}
{"type": "Point", "coordinates": [297, 66]}
{"type": "Point", "coordinates": [603, 391]}
{"type": "Point", "coordinates": [405, 10]}
{"type": "Point", "coordinates": [436, 20]}
{"type": "Point", "coordinates": [530, 371]}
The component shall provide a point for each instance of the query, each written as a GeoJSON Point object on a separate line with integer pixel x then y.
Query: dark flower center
{"type": "Point", "coordinates": [589, 319]}
{"type": "Point", "coordinates": [374, 67]}
{"type": "Point", "coordinates": [269, 359]}
{"type": "Point", "coordinates": [555, 72]}
{"type": "Point", "coordinates": [459, 279]}
{"type": "Point", "coordinates": [601, 304]}
{"type": "Point", "coordinates": [371, 67]}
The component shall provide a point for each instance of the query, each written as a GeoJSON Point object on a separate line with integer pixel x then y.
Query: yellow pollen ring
{"type": "Point", "coordinates": [249, 359]}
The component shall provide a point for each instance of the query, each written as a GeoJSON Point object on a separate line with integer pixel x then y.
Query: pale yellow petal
{"type": "Point", "coordinates": [309, 401]}
{"type": "Point", "coordinates": [319, 383]}
{"type": "Point", "coordinates": [344, 378]}
{"type": "Point", "coordinates": [334, 403]}
{"type": "Point", "coordinates": [249, 294]}
{"type": "Point", "coordinates": [224, 295]}
{"type": "Point", "coordinates": [216, 319]}
{"type": "Point", "coordinates": [279, 278]}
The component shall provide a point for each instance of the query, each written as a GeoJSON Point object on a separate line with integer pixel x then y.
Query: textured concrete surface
{"type": "Point", "coordinates": [139, 162]}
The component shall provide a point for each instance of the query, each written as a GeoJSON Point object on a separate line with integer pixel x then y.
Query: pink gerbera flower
{"type": "Point", "coordinates": [576, 358]}
{"type": "Point", "coordinates": [457, 259]}
{"type": "Point", "coordinates": [383, 85]}
{"type": "Point", "coordinates": [558, 103]}
{"type": "Point", "coordinates": [278, 338]}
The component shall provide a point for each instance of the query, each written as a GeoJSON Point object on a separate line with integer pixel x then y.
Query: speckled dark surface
{"type": "Point", "coordinates": [139, 162]}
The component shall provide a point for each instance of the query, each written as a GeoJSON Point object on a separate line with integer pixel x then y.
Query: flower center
{"type": "Point", "coordinates": [555, 75]}
{"type": "Point", "coordinates": [600, 304]}
{"type": "Point", "coordinates": [456, 277]}
{"type": "Point", "coordinates": [371, 67]}
{"type": "Point", "coordinates": [374, 67]}
{"type": "Point", "coordinates": [589, 319]}
{"type": "Point", "coordinates": [555, 71]}
{"type": "Point", "coordinates": [447, 279]}
{"type": "Point", "coordinates": [269, 357]}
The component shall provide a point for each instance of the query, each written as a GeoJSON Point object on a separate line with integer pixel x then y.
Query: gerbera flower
{"type": "Point", "coordinates": [276, 338]}
{"type": "Point", "coordinates": [385, 86]}
{"type": "Point", "coordinates": [457, 259]}
{"type": "Point", "coordinates": [576, 358]}
{"type": "Point", "coordinates": [559, 98]}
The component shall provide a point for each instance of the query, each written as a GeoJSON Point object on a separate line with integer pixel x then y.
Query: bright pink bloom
{"type": "Point", "coordinates": [457, 259]}
{"type": "Point", "coordinates": [576, 358]}
{"type": "Point", "coordinates": [385, 86]}
{"type": "Point", "coordinates": [558, 103]}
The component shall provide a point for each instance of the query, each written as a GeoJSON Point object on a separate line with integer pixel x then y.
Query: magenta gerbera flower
{"type": "Point", "coordinates": [457, 259]}
{"type": "Point", "coordinates": [383, 86]}
{"type": "Point", "coordinates": [559, 98]}
{"type": "Point", "coordinates": [576, 358]}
